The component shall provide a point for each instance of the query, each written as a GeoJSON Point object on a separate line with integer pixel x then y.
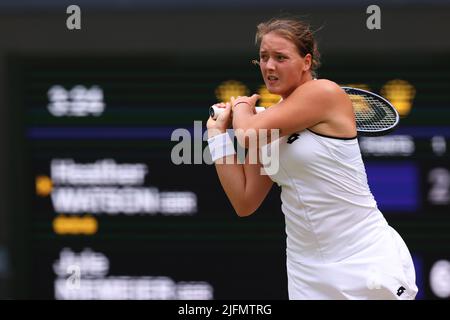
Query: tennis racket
{"type": "Point", "coordinates": [374, 115]}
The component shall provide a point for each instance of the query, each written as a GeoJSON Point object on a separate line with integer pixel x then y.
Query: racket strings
{"type": "Point", "coordinates": [371, 113]}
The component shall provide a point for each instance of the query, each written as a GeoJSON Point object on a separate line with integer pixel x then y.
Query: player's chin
{"type": "Point", "coordinates": [273, 88]}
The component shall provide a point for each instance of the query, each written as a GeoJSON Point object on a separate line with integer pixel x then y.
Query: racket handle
{"type": "Point", "coordinates": [214, 111]}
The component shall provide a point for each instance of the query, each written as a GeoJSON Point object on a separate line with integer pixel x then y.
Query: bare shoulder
{"type": "Point", "coordinates": [337, 117]}
{"type": "Point", "coordinates": [323, 87]}
{"type": "Point", "coordinates": [320, 93]}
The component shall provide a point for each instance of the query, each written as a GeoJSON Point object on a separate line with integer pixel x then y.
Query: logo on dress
{"type": "Point", "coordinates": [400, 291]}
{"type": "Point", "coordinates": [293, 137]}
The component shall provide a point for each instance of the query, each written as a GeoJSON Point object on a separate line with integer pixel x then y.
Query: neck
{"type": "Point", "coordinates": [305, 78]}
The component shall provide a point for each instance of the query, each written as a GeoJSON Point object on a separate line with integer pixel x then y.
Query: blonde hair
{"type": "Point", "coordinates": [296, 31]}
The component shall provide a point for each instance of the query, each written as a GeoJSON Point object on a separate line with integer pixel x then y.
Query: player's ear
{"type": "Point", "coordinates": [307, 62]}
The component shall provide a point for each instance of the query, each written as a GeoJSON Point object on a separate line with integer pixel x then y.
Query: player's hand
{"type": "Point", "coordinates": [223, 121]}
{"type": "Point", "coordinates": [251, 101]}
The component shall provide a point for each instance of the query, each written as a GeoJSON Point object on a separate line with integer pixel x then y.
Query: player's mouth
{"type": "Point", "coordinates": [271, 79]}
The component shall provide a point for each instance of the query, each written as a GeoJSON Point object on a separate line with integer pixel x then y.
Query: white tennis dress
{"type": "Point", "coordinates": [339, 245]}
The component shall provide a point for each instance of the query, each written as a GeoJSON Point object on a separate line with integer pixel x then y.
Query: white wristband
{"type": "Point", "coordinates": [221, 146]}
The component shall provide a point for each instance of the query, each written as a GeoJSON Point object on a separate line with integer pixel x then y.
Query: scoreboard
{"type": "Point", "coordinates": [105, 205]}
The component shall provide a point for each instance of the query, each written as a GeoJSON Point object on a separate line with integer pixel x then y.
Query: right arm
{"type": "Point", "coordinates": [244, 185]}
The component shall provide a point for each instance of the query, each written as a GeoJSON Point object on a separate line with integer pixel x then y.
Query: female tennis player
{"type": "Point", "coordinates": [339, 245]}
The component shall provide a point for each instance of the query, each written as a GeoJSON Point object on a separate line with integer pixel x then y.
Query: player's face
{"type": "Point", "coordinates": [282, 67]}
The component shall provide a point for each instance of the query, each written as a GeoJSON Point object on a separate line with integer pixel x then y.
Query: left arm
{"type": "Point", "coordinates": [308, 105]}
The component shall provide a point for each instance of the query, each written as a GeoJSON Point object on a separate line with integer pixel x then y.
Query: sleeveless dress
{"type": "Point", "coordinates": [339, 245]}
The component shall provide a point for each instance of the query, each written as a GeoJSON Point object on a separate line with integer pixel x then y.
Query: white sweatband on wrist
{"type": "Point", "coordinates": [221, 146]}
